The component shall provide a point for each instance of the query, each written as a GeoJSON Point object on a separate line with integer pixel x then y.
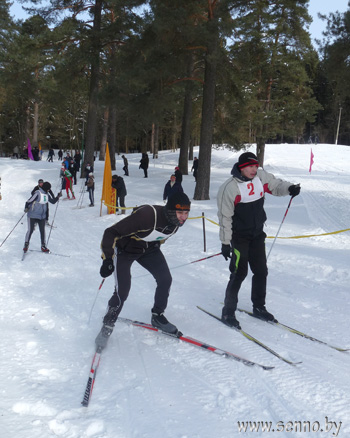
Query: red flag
{"type": "Point", "coordinates": [311, 161]}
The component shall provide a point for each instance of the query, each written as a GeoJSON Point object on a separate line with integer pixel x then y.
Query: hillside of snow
{"type": "Point", "coordinates": [151, 386]}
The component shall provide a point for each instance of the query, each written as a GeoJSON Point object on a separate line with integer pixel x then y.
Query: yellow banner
{"type": "Point", "coordinates": [107, 191]}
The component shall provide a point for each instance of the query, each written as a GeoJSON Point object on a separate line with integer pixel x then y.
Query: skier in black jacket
{"type": "Point", "coordinates": [138, 238]}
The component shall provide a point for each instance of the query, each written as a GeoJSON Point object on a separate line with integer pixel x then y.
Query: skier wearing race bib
{"type": "Point", "coordinates": [241, 217]}
{"type": "Point", "coordinates": [138, 238]}
{"type": "Point", "coordinates": [36, 209]}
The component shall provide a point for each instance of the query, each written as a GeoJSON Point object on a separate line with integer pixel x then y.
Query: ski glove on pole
{"type": "Point", "coordinates": [294, 190]}
{"type": "Point", "coordinates": [107, 268]}
{"type": "Point", "coordinates": [226, 251]}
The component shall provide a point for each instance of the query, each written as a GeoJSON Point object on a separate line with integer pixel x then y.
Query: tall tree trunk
{"type": "Point", "coordinates": [152, 139]}
{"type": "Point", "coordinates": [186, 120]}
{"type": "Point", "coordinates": [35, 124]}
{"type": "Point", "coordinates": [92, 117]}
{"type": "Point", "coordinates": [113, 135]}
{"type": "Point", "coordinates": [206, 136]}
{"type": "Point", "coordinates": [104, 134]}
{"type": "Point", "coordinates": [260, 150]}
{"type": "Point", "coordinates": [156, 141]}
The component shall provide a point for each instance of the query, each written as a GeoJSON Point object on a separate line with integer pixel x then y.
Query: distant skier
{"type": "Point", "coordinates": [241, 217]}
{"type": "Point", "coordinates": [36, 208]}
{"type": "Point", "coordinates": [137, 238]}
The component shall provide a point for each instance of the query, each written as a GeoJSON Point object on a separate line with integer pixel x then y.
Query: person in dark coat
{"type": "Point", "coordinates": [144, 162]}
{"type": "Point", "coordinates": [195, 167]}
{"type": "Point", "coordinates": [178, 174]}
{"type": "Point", "coordinates": [137, 238]}
{"type": "Point", "coordinates": [77, 159]}
{"type": "Point", "coordinates": [50, 155]}
{"type": "Point", "coordinates": [126, 165]}
{"type": "Point", "coordinates": [91, 188]}
{"type": "Point", "coordinates": [88, 169]}
{"type": "Point", "coordinates": [119, 185]}
{"type": "Point", "coordinates": [36, 209]}
{"type": "Point", "coordinates": [171, 187]}
{"type": "Point", "coordinates": [60, 155]}
{"type": "Point", "coordinates": [73, 170]}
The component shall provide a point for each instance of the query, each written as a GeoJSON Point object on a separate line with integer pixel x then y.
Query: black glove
{"type": "Point", "coordinates": [59, 195]}
{"type": "Point", "coordinates": [294, 190]}
{"type": "Point", "coordinates": [226, 251]}
{"type": "Point", "coordinates": [26, 210]}
{"type": "Point", "coordinates": [107, 268]}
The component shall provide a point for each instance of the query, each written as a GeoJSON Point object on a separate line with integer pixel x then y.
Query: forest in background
{"type": "Point", "coordinates": [163, 74]}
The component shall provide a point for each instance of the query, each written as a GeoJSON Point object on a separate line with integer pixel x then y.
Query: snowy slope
{"type": "Point", "coordinates": [152, 386]}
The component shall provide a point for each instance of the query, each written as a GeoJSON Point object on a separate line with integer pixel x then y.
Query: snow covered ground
{"type": "Point", "coordinates": [150, 386]}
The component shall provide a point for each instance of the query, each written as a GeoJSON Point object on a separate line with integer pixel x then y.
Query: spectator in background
{"type": "Point", "coordinates": [119, 185]}
{"type": "Point", "coordinates": [73, 170]}
{"type": "Point", "coordinates": [126, 166]}
{"type": "Point", "coordinates": [171, 187]}
{"type": "Point", "coordinates": [50, 155]}
{"type": "Point", "coordinates": [91, 188]}
{"type": "Point", "coordinates": [144, 162]}
{"type": "Point", "coordinates": [195, 168]}
{"type": "Point", "coordinates": [178, 175]}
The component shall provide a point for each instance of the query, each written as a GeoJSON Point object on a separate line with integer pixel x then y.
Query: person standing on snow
{"type": "Point", "coordinates": [195, 168]}
{"type": "Point", "coordinates": [91, 188]}
{"type": "Point", "coordinates": [126, 165]}
{"type": "Point", "coordinates": [119, 185]}
{"type": "Point", "coordinates": [138, 238]}
{"type": "Point", "coordinates": [178, 175]}
{"type": "Point", "coordinates": [172, 187]}
{"type": "Point", "coordinates": [241, 217]}
{"type": "Point", "coordinates": [144, 163]}
{"type": "Point", "coordinates": [36, 209]}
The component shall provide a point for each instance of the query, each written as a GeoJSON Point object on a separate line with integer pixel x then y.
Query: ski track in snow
{"type": "Point", "coordinates": [149, 385]}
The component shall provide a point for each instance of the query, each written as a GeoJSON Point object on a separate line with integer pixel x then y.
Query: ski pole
{"type": "Point", "coordinates": [12, 230]}
{"type": "Point", "coordinates": [53, 220]}
{"type": "Point", "coordinates": [93, 304]}
{"type": "Point", "coordinates": [285, 214]}
{"type": "Point", "coordinates": [189, 263]}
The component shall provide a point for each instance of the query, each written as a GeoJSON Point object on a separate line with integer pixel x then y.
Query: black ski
{"type": "Point", "coordinates": [251, 338]}
{"type": "Point", "coordinates": [196, 343]}
{"type": "Point", "coordinates": [297, 332]}
{"type": "Point", "coordinates": [92, 376]}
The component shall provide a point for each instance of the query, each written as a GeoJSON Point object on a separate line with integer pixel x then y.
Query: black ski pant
{"type": "Point", "coordinates": [122, 204]}
{"type": "Point", "coordinates": [247, 251]}
{"type": "Point", "coordinates": [154, 261]}
{"type": "Point", "coordinates": [31, 223]}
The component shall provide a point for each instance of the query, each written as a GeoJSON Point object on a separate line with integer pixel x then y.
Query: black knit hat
{"type": "Point", "coordinates": [178, 201]}
{"type": "Point", "coordinates": [40, 181]}
{"type": "Point", "coordinates": [247, 159]}
{"type": "Point", "coordinates": [46, 186]}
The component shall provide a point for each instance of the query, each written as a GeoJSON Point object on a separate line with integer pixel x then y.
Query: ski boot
{"type": "Point", "coordinates": [261, 313]}
{"type": "Point", "coordinates": [44, 249]}
{"type": "Point", "coordinates": [107, 327]}
{"type": "Point", "coordinates": [230, 320]}
{"type": "Point", "coordinates": [26, 246]}
{"type": "Point", "coordinates": [160, 322]}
